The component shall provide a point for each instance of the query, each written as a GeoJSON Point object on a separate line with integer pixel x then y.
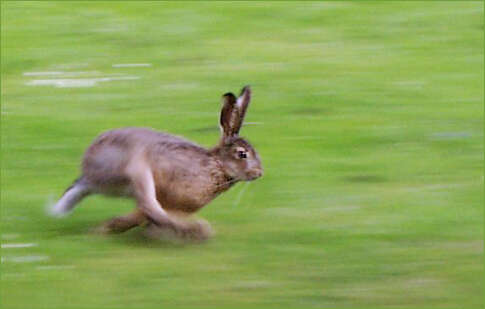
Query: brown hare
{"type": "Point", "coordinates": [166, 174]}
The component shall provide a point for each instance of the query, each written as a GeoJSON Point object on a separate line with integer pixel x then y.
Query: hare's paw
{"type": "Point", "coordinates": [196, 230]}
{"type": "Point", "coordinates": [181, 231]}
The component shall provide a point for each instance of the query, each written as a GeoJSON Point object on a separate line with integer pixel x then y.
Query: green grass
{"type": "Point", "coordinates": [369, 124]}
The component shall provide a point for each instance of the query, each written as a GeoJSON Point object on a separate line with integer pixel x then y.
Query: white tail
{"type": "Point", "coordinates": [73, 195]}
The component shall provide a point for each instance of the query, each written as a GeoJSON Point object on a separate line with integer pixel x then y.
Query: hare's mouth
{"type": "Point", "coordinates": [254, 175]}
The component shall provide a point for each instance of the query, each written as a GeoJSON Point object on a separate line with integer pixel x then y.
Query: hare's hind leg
{"type": "Point", "coordinates": [123, 223]}
{"type": "Point", "coordinates": [73, 195]}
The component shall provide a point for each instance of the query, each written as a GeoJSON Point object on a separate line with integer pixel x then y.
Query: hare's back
{"type": "Point", "coordinates": [107, 157]}
{"type": "Point", "coordinates": [130, 139]}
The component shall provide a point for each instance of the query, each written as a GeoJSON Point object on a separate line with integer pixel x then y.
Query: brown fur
{"type": "Point", "coordinates": [167, 174]}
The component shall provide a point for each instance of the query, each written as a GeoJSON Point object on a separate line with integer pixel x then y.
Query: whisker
{"type": "Point", "coordinates": [240, 194]}
{"type": "Point", "coordinates": [226, 183]}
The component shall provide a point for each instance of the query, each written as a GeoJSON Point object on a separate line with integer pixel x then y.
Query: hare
{"type": "Point", "coordinates": [165, 174]}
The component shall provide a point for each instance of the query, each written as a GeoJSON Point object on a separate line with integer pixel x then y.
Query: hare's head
{"type": "Point", "coordinates": [239, 158]}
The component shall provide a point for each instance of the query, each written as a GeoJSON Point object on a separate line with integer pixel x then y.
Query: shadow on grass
{"type": "Point", "coordinates": [136, 238]}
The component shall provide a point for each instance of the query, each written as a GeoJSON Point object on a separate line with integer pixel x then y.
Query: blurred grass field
{"type": "Point", "coordinates": [368, 117]}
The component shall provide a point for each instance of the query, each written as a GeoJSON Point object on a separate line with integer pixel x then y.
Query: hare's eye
{"type": "Point", "coordinates": [242, 154]}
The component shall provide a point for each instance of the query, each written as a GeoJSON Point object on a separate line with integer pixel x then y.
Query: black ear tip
{"type": "Point", "coordinates": [245, 89]}
{"type": "Point", "coordinates": [228, 94]}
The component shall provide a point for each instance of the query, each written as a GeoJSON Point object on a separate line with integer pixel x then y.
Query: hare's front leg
{"type": "Point", "coordinates": [123, 223]}
{"type": "Point", "coordinates": [145, 195]}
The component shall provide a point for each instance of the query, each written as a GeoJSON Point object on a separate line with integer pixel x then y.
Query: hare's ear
{"type": "Point", "coordinates": [229, 114]}
{"type": "Point", "coordinates": [242, 104]}
{"type": "Point", "coordinates": [233, 111]}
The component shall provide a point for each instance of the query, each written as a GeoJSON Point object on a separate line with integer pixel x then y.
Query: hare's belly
{"type": "Point", "coordinates": [184, 196]}
{"type": "Point", "coordinates": [185, 183]}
